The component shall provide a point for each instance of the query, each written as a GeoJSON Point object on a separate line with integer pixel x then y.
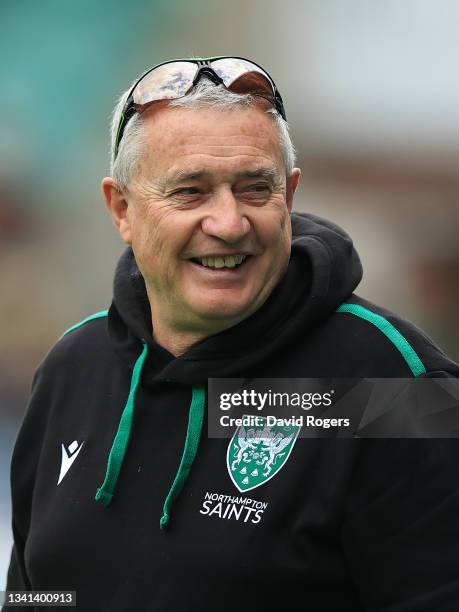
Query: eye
{"type": "Point", "coordinates": [187, 197]}
{"type": "Point", "coordinates": [187, 191]}
{"type": "Point", "coordinates": [255, 192]}
{"type": "Point", "coordinates": [258, 188]}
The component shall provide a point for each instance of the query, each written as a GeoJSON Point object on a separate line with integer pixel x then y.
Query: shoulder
{"type": "Point", "coordinates": [80, 341]}
{"type": "Point", "coordinates": [83, 324]}
{"type": "Point", "coordinates": [377, 332]}
{"type": "Point", "coordinates": [65, 368]}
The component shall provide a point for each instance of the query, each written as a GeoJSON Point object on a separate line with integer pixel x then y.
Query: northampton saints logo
{"type": "Point", "coordinates": [256, 454]}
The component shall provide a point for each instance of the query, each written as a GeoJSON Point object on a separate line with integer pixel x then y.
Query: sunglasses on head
{"type": "Point", "coordinates": [175, 78]}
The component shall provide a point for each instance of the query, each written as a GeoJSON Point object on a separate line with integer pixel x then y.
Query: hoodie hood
{"type": "Point", "coordinates": [324, 269]}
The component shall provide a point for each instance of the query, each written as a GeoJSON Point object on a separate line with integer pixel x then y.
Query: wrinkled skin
{"type": "Point", "coordinates": [227, 207]}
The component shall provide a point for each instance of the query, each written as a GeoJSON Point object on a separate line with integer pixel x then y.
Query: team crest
{"type": "Point", "coordinates": [256, 454]}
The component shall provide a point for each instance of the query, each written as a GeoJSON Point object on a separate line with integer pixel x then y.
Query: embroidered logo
{"type": "Point", "coordinates": [69, 455]}
{"type": "Point", "coordinates": [256, 454]}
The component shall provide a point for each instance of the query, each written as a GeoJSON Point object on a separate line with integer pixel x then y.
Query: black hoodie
{"type": "Point", "coordinates": [346, 525]}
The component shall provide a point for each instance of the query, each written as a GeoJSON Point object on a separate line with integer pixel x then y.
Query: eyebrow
{"type": "Point", "coordinates": [183, 176]}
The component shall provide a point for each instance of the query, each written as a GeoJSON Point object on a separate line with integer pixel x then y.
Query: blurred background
{"type": "Point", "coordinates": [372, 96]}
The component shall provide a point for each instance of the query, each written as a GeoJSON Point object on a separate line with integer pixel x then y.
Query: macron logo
{"type": "Point", "coordinates": [69, 455]}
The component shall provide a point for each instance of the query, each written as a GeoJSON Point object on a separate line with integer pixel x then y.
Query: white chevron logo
{"type": "Point", "coordinates": [68, 457]}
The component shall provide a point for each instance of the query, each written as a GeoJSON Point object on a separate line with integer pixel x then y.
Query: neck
{"type": "Point", "coordinates": [176, 335]}
{"type": "Point", "coordinates": [176, 342]}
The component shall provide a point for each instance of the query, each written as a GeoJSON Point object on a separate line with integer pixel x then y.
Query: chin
{"type": "Point", "coordinates": [226, 313]}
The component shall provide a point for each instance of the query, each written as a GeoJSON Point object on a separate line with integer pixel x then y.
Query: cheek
{"type": "Point", "coordinates": [286, 232]}
{"type": "Point", "coordinates": [287, 235]}
{"type": "Point", "coordinates": [277, 233]}
{"type": "Point", "coordinates": [158, 240]}
{"type": "Point", "coordinates": [150, 243]}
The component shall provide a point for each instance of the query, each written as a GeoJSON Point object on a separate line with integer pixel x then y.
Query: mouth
{"type": "Point", "coordinates": [222, 262]}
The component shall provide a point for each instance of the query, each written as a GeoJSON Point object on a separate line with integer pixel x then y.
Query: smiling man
{"type": "Point", "coordinates": [207, 213]}
{"type": "Point", "coordinates": [118, 492]}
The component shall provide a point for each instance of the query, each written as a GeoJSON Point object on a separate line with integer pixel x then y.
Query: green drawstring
{"type": "Point", "coordinates": [193, 435]}
{"type": "Point", "coordinates": [115, 459]}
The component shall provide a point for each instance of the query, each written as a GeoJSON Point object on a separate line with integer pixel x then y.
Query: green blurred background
{"type": "Point", "coordinates": [372, 96]}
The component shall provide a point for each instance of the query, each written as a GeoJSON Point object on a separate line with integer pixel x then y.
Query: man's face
{"type": "Point", "coordinates": [208, 215]}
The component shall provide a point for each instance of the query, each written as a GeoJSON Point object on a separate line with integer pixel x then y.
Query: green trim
{"type": "Point", "coordinates": [398, 340]}
{"type": "Point", "coordinates": [118, 451]}
{"type": "Point", "coordinates": [193, 436]}
{"type": "Point", "coordinates": [96, 315]}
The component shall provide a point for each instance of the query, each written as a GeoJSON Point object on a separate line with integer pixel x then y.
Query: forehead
{"type": "Point", "coordinates": [230, 140]}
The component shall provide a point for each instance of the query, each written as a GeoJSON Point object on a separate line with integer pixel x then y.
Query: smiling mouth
{"type": "Point", "coordinates": [227, 262]}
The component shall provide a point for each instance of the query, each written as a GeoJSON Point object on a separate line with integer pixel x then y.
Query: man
{"type": "Point", "coordinates": [118, 494]}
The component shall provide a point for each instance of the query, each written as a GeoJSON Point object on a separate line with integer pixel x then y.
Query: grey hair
{"type": "Point", "coordinates": [205, 94]}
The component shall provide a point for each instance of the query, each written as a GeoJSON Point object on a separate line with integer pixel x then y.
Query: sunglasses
{"type": "Point", "coordinates": [175, 78]}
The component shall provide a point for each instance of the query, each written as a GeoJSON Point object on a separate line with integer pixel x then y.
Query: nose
{"type": "Point", "coordinates": [225, 218]}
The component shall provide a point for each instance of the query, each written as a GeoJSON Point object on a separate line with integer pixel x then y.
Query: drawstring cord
{"type": "Point", "coordinates": [116, 457]}
{"type": "Point", "coordinates": [193, 435]}
{"type": "Point", "coordinates": [105, 493]}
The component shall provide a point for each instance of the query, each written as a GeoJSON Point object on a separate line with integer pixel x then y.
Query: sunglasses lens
{"type": "Point", "coordinates": [166, 82]}
{"type": "Point", "coordinates": [241, 76]}
{"type": "Point", "coordinates": [175, 79]}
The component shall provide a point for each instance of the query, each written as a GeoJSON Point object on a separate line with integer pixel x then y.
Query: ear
{"type": "Point", "coordinates": [292, 184]}
{"type": "Point", "coordinates": [118, 207]}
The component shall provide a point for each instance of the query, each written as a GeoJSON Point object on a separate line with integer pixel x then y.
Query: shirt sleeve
{"type": "Point", "coordinates": [400, 533]}
{"type": "Point", "coordinates": [24, 464]}
{"type": "Point", "coordinates": [17, 578]}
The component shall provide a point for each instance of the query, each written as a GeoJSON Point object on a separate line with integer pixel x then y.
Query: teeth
{"type": "Point", "coordinates": [229, 261]}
